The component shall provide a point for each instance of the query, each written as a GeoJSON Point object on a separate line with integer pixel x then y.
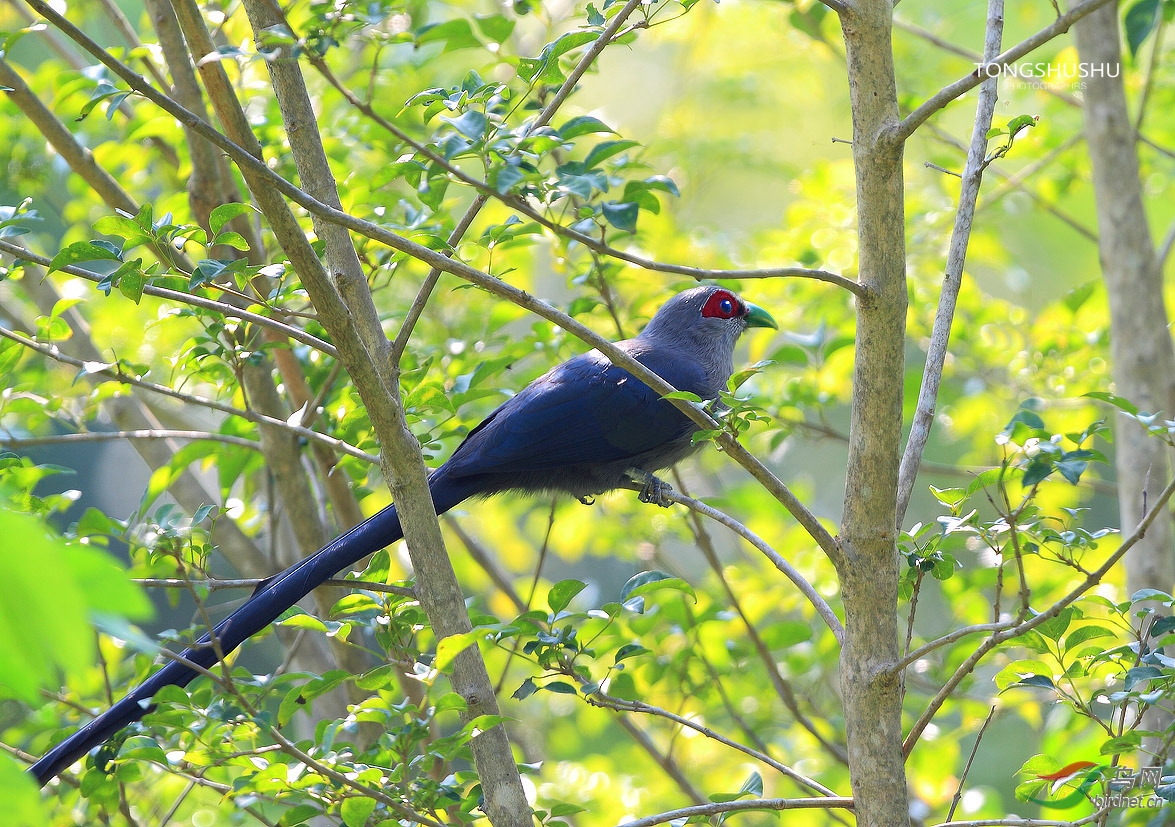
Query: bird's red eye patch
{"type": "Point", "coordinates": [722, 305]}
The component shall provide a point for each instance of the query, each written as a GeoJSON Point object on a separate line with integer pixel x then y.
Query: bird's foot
{"type": "Point", "coordinates": [587, 499]}
{"type": "Point", "coordinates": [654, 490]}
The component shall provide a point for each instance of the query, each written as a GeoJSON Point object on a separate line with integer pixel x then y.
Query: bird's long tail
{"type": "Point", "coordinates": [266, 604]}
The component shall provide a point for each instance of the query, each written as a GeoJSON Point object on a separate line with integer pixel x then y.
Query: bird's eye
{"type": "Point", "coordinates": [722, 305]}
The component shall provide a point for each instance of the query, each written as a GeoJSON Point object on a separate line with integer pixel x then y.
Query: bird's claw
{"type": "Point", "coordinates": [654, 490]}
{"type": "Point", "coordinates": [587, 499]}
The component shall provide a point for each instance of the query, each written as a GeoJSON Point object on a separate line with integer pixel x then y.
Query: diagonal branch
{"type": "Point", "coordinates": [185, 298]}
{"type": "Point", "coordinates": [943, 97]}
{"type": "Point", "coordinates": [940, 334]}
{"type": "Point", "coordinates": [1017, 629]}
{"type": "Point", "coordinates": [805, 588]}
{"type": "Point", "coordinates": [114, 373]}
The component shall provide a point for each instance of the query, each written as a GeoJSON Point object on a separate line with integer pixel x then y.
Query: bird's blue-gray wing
{"type": "Point", "coordinates": [586, 410]}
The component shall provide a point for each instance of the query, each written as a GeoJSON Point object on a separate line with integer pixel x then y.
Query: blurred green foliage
{"type": "Point", "coordinates": [712, 136]}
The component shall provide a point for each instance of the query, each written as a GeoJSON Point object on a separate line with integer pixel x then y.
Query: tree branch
{"type": "Point", "coordinates": [805, 588]}
{"type": "Point", "coordinates": [184, 298]}
{"type": "Point", "coordinates": [1092, 579]}
{"type": "Point", "coordinates": [112, 436]}
{"type": "Point", "coordinates": [940, 335]}
{"type": "Point", "coordinates": [114, 373]}
{"type": "Point", "coordinates": [705, 810]}
{"type": "Point", "coordinates": [940, 99]}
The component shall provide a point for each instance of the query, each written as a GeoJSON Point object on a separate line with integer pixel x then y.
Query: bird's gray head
{"type": "Point", "coordinates": [703, 323]}
{"type": "Point", "coordinates": [709, 317]}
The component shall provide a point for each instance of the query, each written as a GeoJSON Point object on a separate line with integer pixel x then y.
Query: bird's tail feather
{"type": "Point", "coordinates": [270, 599]}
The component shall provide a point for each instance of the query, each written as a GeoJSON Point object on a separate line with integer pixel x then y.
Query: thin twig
{"type": "Point", "coordinates": [602, 699]}
{"type": "Point", "coordinates": [806, 589]}
{"type": "Point", "coordinates": [184, 298]}
{"type": "Point", "coordinates": [112, 436]}
{"type": "Point", "coordinates": [782, 686]}
{"type": "Point", "coordinates": [114, 372]}
{"type": "Point", "coordinates": [705, 810]}
{"type": "Point", "coordinates": [967, 768]}
{"type": "Point", "coordinates": [217, 584]}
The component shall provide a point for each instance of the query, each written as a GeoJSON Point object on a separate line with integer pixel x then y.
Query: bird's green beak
{"type": "Point", "coordinates": [758, 317]}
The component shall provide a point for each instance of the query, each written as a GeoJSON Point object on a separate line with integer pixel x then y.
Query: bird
{"type": "Point", "coordinates": [584, 428]}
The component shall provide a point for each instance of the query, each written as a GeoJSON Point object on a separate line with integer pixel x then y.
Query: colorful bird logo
{"type": "Point", "coordinates": [1082, 773]}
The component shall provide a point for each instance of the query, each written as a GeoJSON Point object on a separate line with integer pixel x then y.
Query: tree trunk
{"type": "Point", "coordinates": [1140, 344]}
{"type": "Point", "coordinates": [869, 569]}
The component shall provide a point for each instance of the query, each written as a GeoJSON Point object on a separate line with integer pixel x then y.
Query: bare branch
{"type": "Point", "coordinates": [940, 99]}
{"type": "Point", "coordinates": [114, 372]}
{"type": "Point", "coordinates": [822, 608]}
{"type": "Point", "coordinates": [114, 436]}
{"type": "Point", "coordinates": [940, 335]}
{"type": "Point", "coordinates": [607, 701]}
{"type": "Point", "coordinates": [1013, 821]}
{"type": "Point", "coordinates": [836, 803]}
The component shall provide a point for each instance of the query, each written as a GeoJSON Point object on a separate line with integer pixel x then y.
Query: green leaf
{"type": "Point", "coordinates": [621, 216]}
{"type": "Point", "coordinates": [356, 810]}
{"type": "Point", "coordinates": [1037, 471]}
{"type": "Point", "coordinates": [785, 633]}
{"type": "Point", "coordinates": [1086, 633]}
{"type": "Point", "coordinates": [506, 177]}
{"type": "Point", "coordinates": [1055, 627]}
{"type": "Point", "coordinates": [603, 151]}
{"type": "Point", "coordinates": [565, 43]}
{"type": "Point", "coordinates": [562, 592]}
{"type": "Point", "coordinates": [1071, 470]}
{"type": "Point", "coordinates": [299, 815]}
{"type": "Point", "coordinates": [1119, 402]}
{"type": "Point", "coordinates": [949, 496]}
{"type": "Point", "coordinates": [1151, 594]}
{"type": "Point", "coordinates": [1141, 674]}
{"type": "Point", "coordinates": [583, 125]}
{"type": "Point", "coordinates": [496, 27]}
{"type": "Point", "coordinates": [629, 650]}
{"type": "Point", "coordinates": [39, 636]}
{"type": "Point", "coordinates": [231, 239]}
{"type": "Point", "coordinates": [81, 251]}
{"type": "Point", "coordinates": [559, 688]}
{"type": "Point", "coordinates": [225, 213]}
{"type": "Point", "coordinates": [453, 645]}
{"type": "Point", "coordinates": [1128, 742]}
{"type": "Point", "coordinates": [651, 581]}
{"type": "Point", "coordinates": [1139, 22]}
{"type": "Point", "coordinates": [528, 688]}
{"type": "Point", "coordinates": [564, 809]}
{"type": "Point", "coordinates": [688, 396]}
{"type": "Point", "coordinates": [10, 353]}
{"type": "Point", "coordinates": [130, 278]}
{"type": "Point", "coordinates": [1023, 672]}
{"type": "Point", "coordinates": [303, 621]}
{"type": "Point", "coordinates": [472, 124]}
{"type": "Point", "coordinates": [455, 34]}
{"type": "Point", "coordinates": [983, 479]}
